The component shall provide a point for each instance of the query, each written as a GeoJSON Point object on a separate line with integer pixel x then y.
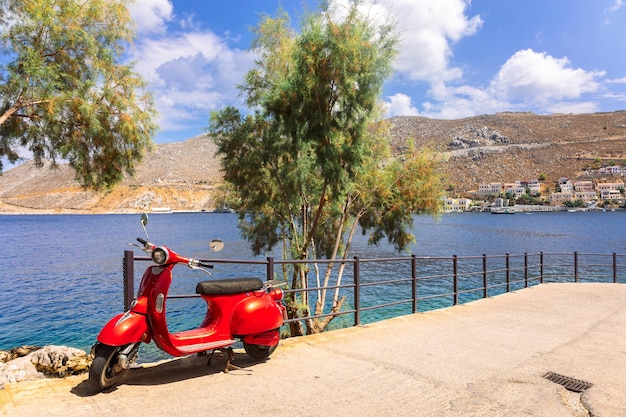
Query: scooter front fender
{"type": "Point", "coordinates": [123, 329]}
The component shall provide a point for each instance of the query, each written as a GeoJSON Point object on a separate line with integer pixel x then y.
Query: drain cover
{"type": "Point", "coordinates": [570, 384]}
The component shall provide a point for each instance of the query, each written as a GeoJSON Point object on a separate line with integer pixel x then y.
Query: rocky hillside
{"type": "Point", "coordinates": [505, 147]}
{"type": "Point", "coordinates": [181, 176]}
{"type": "Point", "coordinates": [185, 176]}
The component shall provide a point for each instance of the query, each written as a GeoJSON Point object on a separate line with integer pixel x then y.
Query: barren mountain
{"type": "Point", "coordinates": [181, 176]}
{"type": "Point", "coordinates": [505, 147]}
{"type": "Point", "coordinates": [184, 176]}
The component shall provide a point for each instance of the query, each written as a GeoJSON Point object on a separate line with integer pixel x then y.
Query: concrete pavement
{"type": "Point", "coordinates": [485, 358]}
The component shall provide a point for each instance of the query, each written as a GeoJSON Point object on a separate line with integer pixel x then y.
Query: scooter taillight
{"type": "Point", "coordinates": [277, 294]}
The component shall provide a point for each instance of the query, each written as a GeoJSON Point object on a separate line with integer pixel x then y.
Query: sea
{"type": "Point", "coordinates": [61, 275]}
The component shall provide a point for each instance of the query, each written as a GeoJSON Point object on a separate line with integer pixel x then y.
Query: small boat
{"type": "Point", "coordinates": [502, 210]}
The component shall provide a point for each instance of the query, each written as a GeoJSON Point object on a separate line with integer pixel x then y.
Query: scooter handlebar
{"type": "Point", "coordinates": [142, 241]}
{"type": "Point", "coordinates": [195, 263]}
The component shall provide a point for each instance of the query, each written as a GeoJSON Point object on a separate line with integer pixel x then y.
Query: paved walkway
{"type": "Point", "coordinates": [486, 358]}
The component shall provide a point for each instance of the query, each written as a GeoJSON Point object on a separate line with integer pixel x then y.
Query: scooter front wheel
{"type": "Point", "coordinates": [259, 352]}
{"type": "Point", "coordinates": [105, 370]}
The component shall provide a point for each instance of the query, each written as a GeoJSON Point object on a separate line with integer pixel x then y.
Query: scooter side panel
{"type": "Point", "coordinates": [256, 315]}
{"type": "Point", "coordinates": [124, 328]}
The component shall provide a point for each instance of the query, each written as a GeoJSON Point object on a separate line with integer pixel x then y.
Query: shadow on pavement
{"type": "Point", "coordinates": [174, 370]}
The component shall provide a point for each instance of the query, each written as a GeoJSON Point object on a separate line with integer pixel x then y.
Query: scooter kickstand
{"type": "Point", "coordinates": [229, 355]}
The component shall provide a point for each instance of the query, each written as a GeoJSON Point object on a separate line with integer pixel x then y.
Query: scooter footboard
{"type": "Point", "coordinates": [124, 328]}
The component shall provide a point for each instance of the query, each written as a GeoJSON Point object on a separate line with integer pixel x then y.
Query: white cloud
{"type": "Point", "coordinates": [376, 12]}
{"type": "Point", "coordinates": [151, 16]}
{"type": "Point", "coordinates": [527, 80]}
{"type": "Point", "coordinates": [152, 53]}
{"type": "Point", "coordinates": [189, 79]}
{"type": "Point", "coordinates": [610, 12]}
{"type": "Point", "coordinates": [428, 28]}
{"type": "Point", "coordinates": [617, 5]}
{"type": "Point", "coordinates": [400, 105]}
{"type": "Point", "coordinates": [573, 107]}
{"type": "Point", "coordinates": [617, 81]}
{"type": "Point", "coordinates": [465, 101]}
{"type": "Point", "coordinates": [189, 73]}
{"type": "Point", "coordinates": [539, 78]}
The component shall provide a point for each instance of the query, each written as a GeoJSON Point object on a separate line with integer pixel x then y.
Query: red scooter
{"type": "Point", "coordinates": [242, 308]}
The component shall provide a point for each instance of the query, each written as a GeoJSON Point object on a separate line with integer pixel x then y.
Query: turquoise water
{"type": "Point", "coordinates": [61, 279]}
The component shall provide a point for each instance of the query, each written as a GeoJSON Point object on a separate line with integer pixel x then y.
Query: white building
{"type": "Point", "coordinates": [567, 186]}
{"type": "Point", "coordinates": [456, 204]}
{"type": "Point", "coordinates": [610, 194]}
{"type": "Point", "coordinates": [560, 198]}
{"type": "Point", "coordinates": [583, 186]}
{"type": "Point", "coordinates": [601, 186]}
{"type": "Point", "coordinates": [586, 195]}
{"type": "Point", "coordinates": [492, 188]}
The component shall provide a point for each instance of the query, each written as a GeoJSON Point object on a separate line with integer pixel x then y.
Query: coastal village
{"type": "Point", "coordinates": [599, 189]}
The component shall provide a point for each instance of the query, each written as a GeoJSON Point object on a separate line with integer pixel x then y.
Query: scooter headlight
{"type": "Point", "coordinates": [160, 256]}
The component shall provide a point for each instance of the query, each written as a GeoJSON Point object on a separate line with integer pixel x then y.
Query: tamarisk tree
{"type": "Point", "coordinates": [310, 166]}
{"type": "Point", "coordinates": [63, 91]}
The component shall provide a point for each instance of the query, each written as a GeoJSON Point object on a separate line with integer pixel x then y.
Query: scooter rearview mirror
{"type": "Point", "coordinates": [216, 245]}
{"type": "Point", "coordinates": [144, 223]}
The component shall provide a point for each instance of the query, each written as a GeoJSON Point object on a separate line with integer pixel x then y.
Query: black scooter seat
{"type": "Point", "coordinates": [228, 286]}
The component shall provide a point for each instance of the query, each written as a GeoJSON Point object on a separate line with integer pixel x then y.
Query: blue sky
{"type": "Point", "coordinates": [458, 58]}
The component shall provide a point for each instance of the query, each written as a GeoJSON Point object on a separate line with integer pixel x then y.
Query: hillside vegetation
{"type": "Point", "coordinates": [501, 147]}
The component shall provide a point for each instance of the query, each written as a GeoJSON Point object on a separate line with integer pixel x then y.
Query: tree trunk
{"type": "Point", "coordinates": [295, 327]}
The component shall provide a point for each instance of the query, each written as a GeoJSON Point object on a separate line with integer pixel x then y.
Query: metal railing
{"type": "Point", "coordinates": [425, 283]}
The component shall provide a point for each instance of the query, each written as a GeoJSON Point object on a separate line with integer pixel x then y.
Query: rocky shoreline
{"type": "Point", "coordinates": [35, 362]}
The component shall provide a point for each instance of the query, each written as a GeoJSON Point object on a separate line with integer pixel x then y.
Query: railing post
{"type": "Point", "coordinates": [575, 266]}
{"type": "Point", "coordinates": [414, 281]}
{"type": "Point", "coordinates": [357, 292]}
{"type": "Point", "coordinates": [541, 267]}
{"type": "Point", "coordinates": [128, 269]}
{"type": "Point", "coordinates": [614, 268]}
{"type": "Point", "coordinates": [455, 282]}
{"type": "Point", "coordinates": [525, 269]}
{"type": "Point", "coordinates": [485, 292]}
{"type": "Point", "coordinates": [508, 274]}
{"type": "Point", "coordinates": [270, 268]}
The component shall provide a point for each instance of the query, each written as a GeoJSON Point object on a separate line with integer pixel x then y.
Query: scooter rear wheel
{"type": "Point", "coordinates": [259, 352]}
{"type": "Point", "coordinates": [105, 371]}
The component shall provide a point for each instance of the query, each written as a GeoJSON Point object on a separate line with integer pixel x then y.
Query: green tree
{"type": "Point", "coordinates": [64, 93]}
{"type": "Point", "coordinates": [597, 163]}
{"type": "Point", "coordinates": [309, 166]}
{"type": "Point", "coordinates": [575, 203]}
